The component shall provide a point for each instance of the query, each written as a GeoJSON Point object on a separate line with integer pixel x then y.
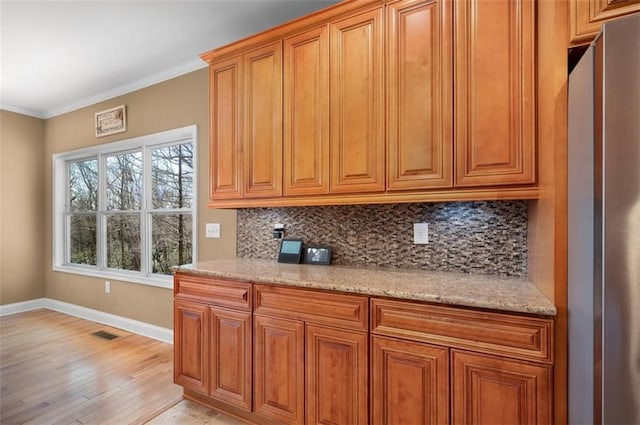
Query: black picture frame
{"type": "Point", "coordinates": [316, 254]}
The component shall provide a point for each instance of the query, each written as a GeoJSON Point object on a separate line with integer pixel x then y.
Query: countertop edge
{"type": "Point", "coordinates": [548, 310]}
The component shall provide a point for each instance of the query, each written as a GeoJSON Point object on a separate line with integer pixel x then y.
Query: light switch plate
{"type": "Point", "coordinates": [212, 230]}
{"type": "Point", "coordinates": [420, 233]}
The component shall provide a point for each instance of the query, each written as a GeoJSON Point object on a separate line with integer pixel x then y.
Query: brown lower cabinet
{"type": "Point", "coordinates": [491, 390]}
{"type": "Point", "coordinates": [279, 369]}
{"type": "Point", "coordinates": [409, 382]}
{"type": "Point", "coordinates": [273, 354]}
{"type": "Point", "coordinates": [307, 368]}
{"type": "Point", "coordinates": [230, 356]}
{"type": "Point", "coordinates": [331, 363]}
{"type": "Point", "coordinates": [190, 345]}
{"type": "Point", "coordinates": [337, 384]}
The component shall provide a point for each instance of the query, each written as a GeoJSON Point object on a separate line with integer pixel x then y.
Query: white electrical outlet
{"type": "Point", "coordinates": [107, 287]}
{"type": "Point", "coordinates": [212, 230]}
{"type": "Point", "coordinates": [420, 233]}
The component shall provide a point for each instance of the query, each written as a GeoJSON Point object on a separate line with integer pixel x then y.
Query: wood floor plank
{"type": "Point", "coordinates": [188, 412]}
{"type": "Point", "coordinates": [53, 371]}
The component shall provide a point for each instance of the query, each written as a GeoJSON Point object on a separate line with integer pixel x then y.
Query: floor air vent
{"type": "Point", "coordinates": [105, 335]}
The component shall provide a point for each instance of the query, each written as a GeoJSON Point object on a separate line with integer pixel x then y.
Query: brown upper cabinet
{"type": "Point", "coordinates": [357, 113]}
{"type": "Point", "coordinates": [355, 104]}
{"type": "Point", "coordinates": [306, 113]}
{"type": "Point", "coordinates": [587, 16]}
{"type": "Point", "coordinates": [246, 125]}
{"type": "Point", "coordinates": [225, 155]}
{"type": "Point", "coordinates": [419, 95]}
{"type": "Point", "coordinates": [263, 121]}
{"type": "Point", "coordinates": [495, 98]}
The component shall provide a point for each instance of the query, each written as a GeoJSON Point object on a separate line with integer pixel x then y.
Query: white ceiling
{"type": "Point", "coordinates": [58, 56]}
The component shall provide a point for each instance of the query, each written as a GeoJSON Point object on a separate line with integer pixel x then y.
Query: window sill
{"type": "Point", "coordinates": [165, 282]}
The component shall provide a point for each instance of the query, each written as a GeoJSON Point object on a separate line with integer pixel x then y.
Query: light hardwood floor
{"type": "Point", "coordinates": [53, 371]}
{"type": "Point", "coordinates": [189, 413]}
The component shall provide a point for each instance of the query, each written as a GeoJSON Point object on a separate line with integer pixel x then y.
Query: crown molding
{"type": "Point", "coordinates": [22, 111]}
{"type": "Point", "coordinates": [151, 80]}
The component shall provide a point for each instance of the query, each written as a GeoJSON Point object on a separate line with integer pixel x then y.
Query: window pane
{"type": "Point", "coordinates": [172, 176]}
{"type": "Point", "coordinates": [123, 241]}
{"type": "Point", "coordinates": [124, 181]}
{"type": "Point", "coordinates": [82, 234]}
{"type": "Point", "coordinates": [172, 240]}
{"type": "Point", "coordinates": [83, 185]}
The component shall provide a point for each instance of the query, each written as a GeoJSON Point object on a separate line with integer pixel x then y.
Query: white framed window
{"type": "Point", "coordinates": [127, 210]}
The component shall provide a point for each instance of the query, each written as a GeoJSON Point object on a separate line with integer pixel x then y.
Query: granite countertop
{"type": "Point", "coordinates": [471, 290]}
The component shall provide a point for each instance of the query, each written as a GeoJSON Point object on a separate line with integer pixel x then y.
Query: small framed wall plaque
{"type": "Point", "coordinates": [111, 121]}
{"type": "Point", "coordinates": [317, 255]}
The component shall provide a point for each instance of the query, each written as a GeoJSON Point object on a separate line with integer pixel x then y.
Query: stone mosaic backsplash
{"type": "Point", "coordinates": [472, 237]}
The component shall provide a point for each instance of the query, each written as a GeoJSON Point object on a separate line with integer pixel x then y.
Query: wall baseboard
{"type": "Point", "coordinates": [20, 307]}
{"type": "Point", "coordinates": [129, 325]}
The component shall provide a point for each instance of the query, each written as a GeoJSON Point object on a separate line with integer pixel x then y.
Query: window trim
{"type": "Point", "coordinates": [59, 194]}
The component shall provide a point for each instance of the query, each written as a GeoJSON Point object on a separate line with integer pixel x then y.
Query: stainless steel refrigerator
{"type": "Point", "coordinates": [604, 229]}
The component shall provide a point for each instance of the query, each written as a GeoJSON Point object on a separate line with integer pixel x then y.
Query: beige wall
{"type": "Point", "coordinates": [22, 210]}
{"type": "Point", "coordinates": [175, 103]}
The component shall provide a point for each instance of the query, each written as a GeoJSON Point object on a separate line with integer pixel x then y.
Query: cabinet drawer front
{"type": "Point", "coordinates": [213, 291]}
{"type": "Point", "coordinates": [345, 311]}
{"type": "Point", "coordinates": [526, 338]}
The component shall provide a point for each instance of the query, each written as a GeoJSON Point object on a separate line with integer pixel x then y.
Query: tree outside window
{"type": "Point", "coordinates": [131, 210]}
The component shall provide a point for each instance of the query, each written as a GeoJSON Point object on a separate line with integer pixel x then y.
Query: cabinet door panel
{"type": "Point", "coordinates": [279, 369]}
{"type": "Point", "coordinates": [231, 357]}
{"type": "Point", "coordinates": [263, 121]}
{"type": "Point", "coordinates": [225, 149]}
{"type": "Point", "coordinates": [587, 16]}
{"type": "Point", "coordinates": [337, 382]}
{"type": "Point", "coordinates": [420, 95]}
{"type": "Point", "coordinates": [491, 390]}
{"type": "Point", "coordinates": [357, 110]}
{"type": "Point", "coordinates": [306, 113]}
{"type": "Point", "coordinates": [410, 382]}
{"type": "Point", "coordinates": [494, 85]}
{"type": "Point", "coordinates": [190, 344]}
